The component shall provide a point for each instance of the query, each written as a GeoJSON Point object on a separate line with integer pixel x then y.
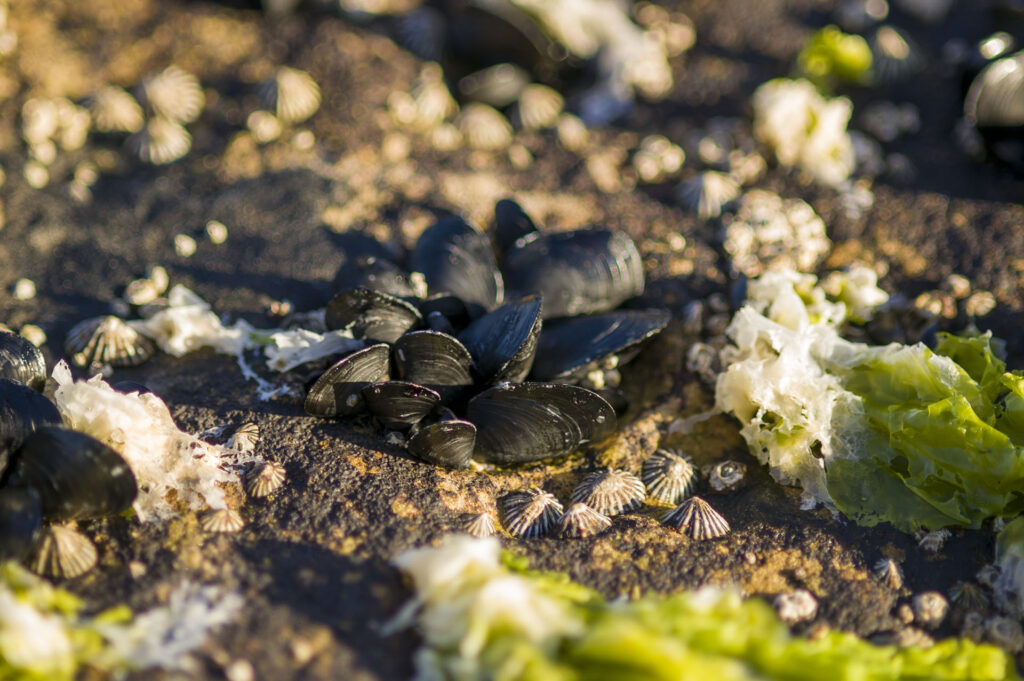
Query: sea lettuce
{"type": "Point", "coordinates": [899, 433]}
{"type": "Point", "coordinates": [578, 636]}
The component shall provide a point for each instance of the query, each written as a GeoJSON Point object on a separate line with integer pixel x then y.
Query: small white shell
{"type": "Point", "coordinates": [889, 573]}
{"type": "Point", "coordinates": [727, 475]}
{"type": "Point", "coordinates": [539, 107]}
{"type": "Point", "coordinates": [114, 109]}
{"type": "Point", "coordinates": [582, 521]}
{"type": "Point", "coordinates": [933, 541]}
{"type": "Point", "coordinates": [291, 94]}
{"type": "Point", "coordinates": [796, 606]}
{"type": "Point", "coordinates": [484, 127]}
{"type": "Point", "coordinates": [930, 608]}
{"type": "Point", "coordinates": [63, 552]}
{"type": "Point", "coordinates": [697, 519]}
{"type": "Point", "coordinates": [161, 141]}
{"type": "Point", "coordinates": [670, 476]}
{"type": "Point", "coordinates": [107, 340]}
{"type": "Point", "coordinates": [264, 479]}
{"type": "Point", "coordinates": [223, 520]}
{"type": "Point", "coordinates": [707, 193]}
{"type": "Point", "coordinates": [988, 575]}
{"type": "Point", "coordinates": [174, 94]}
{"type": "Point", "coordinates": [245, 438]}
{"type": "Point", "coordinates": [610, 491]}
{"type": "Point", "coordinates": [532, 513]}
{"type": "Point", "coordinates": [1005, 633]}
{"type": "Point", "coordinates": [482, 525]}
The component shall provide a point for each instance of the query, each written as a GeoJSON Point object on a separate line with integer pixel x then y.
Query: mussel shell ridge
{"type": "Point", "coordinates": [446, 443]}
{"type": "Point", "coordinates": [378, 317]}
{"type": "Point", "coordinates": [21, 361]}
{"type": "Point", "coordinates": [338, 391]}
{"type": "Point", "coordinates": [458, 259]}
{"type": "Point", "coordinates": [525, 422]}
{"type": "Point", "coordinates": [503, 342]}
{"type": "Point", "coordinates": [21, 517]}
{"type": "Point", "coordinates": [579, 272]}
{"type": "Point", "coordinates": [399, 404]}
{"type": "Point", "coordinates": [76, 475]}
{"type": "Point", "coordinates": [22, 410]}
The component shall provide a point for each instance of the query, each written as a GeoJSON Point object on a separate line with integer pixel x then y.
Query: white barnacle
{"type": "Point", "coordinates": [582, 521]}
{"type": "Point", "coordinates": [532, 513]}
{"type": "Point", "coordinates": [610, 491]}
{"type": "Point", "coordinates": [669, 475]}
{"type": "Point", "coordinates": [697, 519]}
{"type": "Point", "coordinates": [107, 341]}
{"type": "Point", "coordinates": [173, 94]}
{"type": "Point", "coordinates": [291, 94]}
{"type": "Point", "coordinates": [63, 552]}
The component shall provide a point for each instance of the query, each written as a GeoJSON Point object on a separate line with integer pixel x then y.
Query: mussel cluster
{"type": "Point", "coordinates": [49, 473]}
{"type": "Point", "coordinates": [448, 371]}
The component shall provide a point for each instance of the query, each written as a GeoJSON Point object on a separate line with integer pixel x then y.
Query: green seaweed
{"type": "Point", "coordinates": [830, 55]}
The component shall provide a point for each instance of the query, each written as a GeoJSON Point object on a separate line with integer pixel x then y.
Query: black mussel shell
{"type": "Point", "coordinates": [338, 392]}
{"type": "Point", "coordinates": [995, 106]}
{"type": "Point", "coordinates": [457, 259]}
{"type": "Point", "coordinates": [435, 360]}
{"type": "Point", "coordinates": [448, 306]}
{"type": "Point", "coordinates": [579, 272]}
{"type": "Point", "coordinates": [445, 443]}
{"type": "Point", "coordinates": [378, 317]}
{"type": "Point", "coordinates": [511, 223]}
{"type": "Point", "coordinates": [525, 422]}
{"type": "Point", "coordinates": [504, 342]}
{"type": "Point", "coordinates": [616, 398]}
{"type": "Point", "coordinates": [22, 410]}
{"type": "Point", "coordinates": [567, 347]}
{"type": "Point", "coordinates": [21, 361]}
{"type": "Point", "coordinates": [21, 517]}
{"type": "Point", "coordinates": [399, 405]}
{"type": "Point", "coordinates": [127, 387]}
{"type": "Point", "coordinates": [373, 273]}
{"type": "Point", "coordinates": [76, 475]}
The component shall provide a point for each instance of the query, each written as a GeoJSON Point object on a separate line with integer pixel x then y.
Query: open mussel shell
{"type": "Point", "coordinates": [76, 475]}
{"type": "Point", "coordinates": [457, 259]}
{"type": "Point", "coordinates": [21, 517]}
{"type": "Point", "coordinates": [22, 410]}
{"type": "Point", "coordinates": [995, 106]}
{"type": "Point", "coordinates": [525, 422]}
{"type": "Point", "coordinates": [511, 223]}
{"type": "Point", "coordinates": [580, 272]}
{"type": "Point", "coordinates": [374, 273]}
{"type": "Point", "coordinates": [445, 443]}
{"type": "Point", "coordinates": [21, 361]}
{"type": "Point", "coordinates": [338, 392]}
{"type": "Point", "coordinates": [378, 317]}
{"type": "Point", "coordinates": [399, 405]}
{"type": "Point", "coordinates": [503, 342]}
{"type": "Point", "coordinates": [568, 347]}
{"type": "Point", "coordinates": [435, 360]}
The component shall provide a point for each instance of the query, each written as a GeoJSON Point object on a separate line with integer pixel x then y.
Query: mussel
{"type": "Point", "coordinates": [580, 272]}
{"type": "Point", "coordinates": [525, 422]}
{"type": "Point", "coordinates": [995, 106]}
{"type": "Point", "coordinates": [371, 272]}
{"type": "Point", "coordinates": [338, 392]}
{"type": "Point", "coordinates": [457, 259]}
{"type": "Point", "coordinates": [22, 410]}
{"type": "Point", "coordinates": [399, 405]}
{"type": "Point", "coordinates": [376, 316]}
{"type": "Point", "coordinates": [511, 223]}
{"type": "Point", "coordinates": [445, 443]}
{"type": "Point", "coordinates": [435, 360]}
{"type": "Point", "coordinates": [503, 343]}
{"type": "Point", "coordinates": [21, 517]}
{"type": "Point", "coordinates": [21, 361]}
{"type": "Point", "coordinates": [75, 475]}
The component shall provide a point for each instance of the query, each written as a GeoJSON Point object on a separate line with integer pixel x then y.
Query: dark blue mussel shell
{"type": "Point", "coordinates": [378, 317]}
{"type": "Point", "coordinates": [445, 443]}
{"type": "Point", "coordinates": [504, 342]}
{"type": "Point", "coordinates": [338, 392]}
{"type": "Point", "coordinates": [579, 272]}
{"type": "Point", "coordinates": [526, 422]}
{"type": "Point", "coordinates": [511, 223]}
{"type": "Point", "coordinates": [21, 517]}
{"type": "Point", "coordinates": [377, 274]}
{"type": "Point", "coordinates": [21, 361]}
{"type": "Point", "coordinates": [399, 405]}
{"type": "Point", "coordinates": [995, 106]}
{"type": "Point", "coordinates": [75, 475]}
{"type": "Point", "coordinates": [457, 259]}
{"type": "Point", "coordinates": [22, 410]}
{"type": "Point", "coordinates": [435, 360]}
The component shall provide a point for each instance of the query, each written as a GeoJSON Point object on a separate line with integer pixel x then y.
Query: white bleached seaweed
{"type": "Point", "coordinates": [140, 428]}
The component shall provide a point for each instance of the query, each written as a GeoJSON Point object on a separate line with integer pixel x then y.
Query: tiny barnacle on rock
{"type": "Point", "coordinates": [726, 476]}
{"type": "Point", "coordinates": [707, 192]}
{"type": "Point", "coordinates": [63, 552]}
{"type": "Point", "coordinates": [933, 541]}
{"type": "Point", "coordinates": [107, 340]}
{"type": "Point", "coordinates": [669, 475]}
{"type": "Point", "coordinates": [484, 127]}
{"type": "Point", "coordinates": [539, 107]}
{"type": "Point", "coordinates": [973, 626]}
{"type": "Point", "coordinates": [968, 596]}
{"type": "Point", "coordinates": [291, 94]}
{"type": "Point", "coordinates": [223, 520]}
{"type": "Point", "coordinates": [930, 608]}
{"type": "Point", "coordinates": [113, 109]}
{"type": "Point", "coordinates": [582, 521]}
{"type": "Point", "coordinates": [482, 525]}
{"type": "Point", "coordinates": [889, 573]}
{"type": "Point", "coordinates": [697, 519]}
{"type": "Point", "coordinates": [245, 438]}
{"type": "Point", "coordinates": [1005, 633]}
{"type": "Point", "coordinates": [988, 575]}
{"type": "Point", "coordinates": [796, 606]}
{"type": "Point", "coordinates": [610, 491]}
{"type": "Point", "coordinates": [174, 94]}
{"type": "Point", "coordinates": [532, 513]}
{"type": "Point", "coordinates": [161, 141]}
{"type": "Point", "coordinates": [264, 478]}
